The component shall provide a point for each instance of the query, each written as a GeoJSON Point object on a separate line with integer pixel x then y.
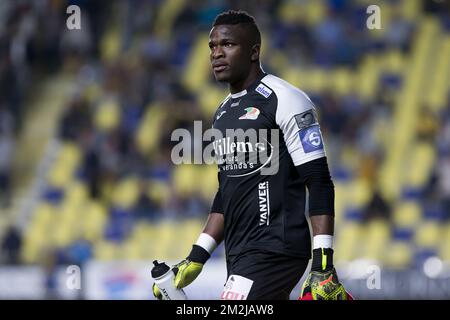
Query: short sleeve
{"type": "Point", "coordinates": [297, 118]}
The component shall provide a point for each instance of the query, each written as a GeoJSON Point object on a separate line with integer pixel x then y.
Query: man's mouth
{"type": "Point", "coordinates": [219, 67]}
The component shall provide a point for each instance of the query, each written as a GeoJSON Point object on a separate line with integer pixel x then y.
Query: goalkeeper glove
{"type": "Point", "coordinates": [187, 270]}
{"type": "Point", "coordinates": [322, 282]}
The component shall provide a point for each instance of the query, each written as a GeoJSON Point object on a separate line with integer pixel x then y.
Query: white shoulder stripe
{"type": "Point", "coordinates": [292, 101]}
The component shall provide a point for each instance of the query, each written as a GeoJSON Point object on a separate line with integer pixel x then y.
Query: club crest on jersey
{"type": "Point", "coordinates": [252, 114]}
{"type": "Point", "coordinates": [263, 90]}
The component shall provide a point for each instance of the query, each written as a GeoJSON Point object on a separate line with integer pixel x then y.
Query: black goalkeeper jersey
{"type": "Point", "coordinates": [260, 192]}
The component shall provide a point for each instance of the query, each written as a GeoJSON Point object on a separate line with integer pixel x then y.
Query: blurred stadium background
{"type": "Point", "coordinates": [86, 117]}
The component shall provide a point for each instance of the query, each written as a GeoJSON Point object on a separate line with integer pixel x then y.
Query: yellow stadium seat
{"type": "Point", "coordinates": [95, 219]}
{"type": "Point", "coordinates": [159, 191]}
{"type": "Point", "coordinates": [188, 231]}
{"type": "Point", "coordinates": [394, 62]}
{"type": "Point", "coordinates": [298, 78]}
{"type": "Point", "coordinates": [62, 170]}
{"type": "Point", "coordinates": [318, 80]}
{"type": "Point", "coordinates": [148, 241]}
{"type": "Point", "coordinates": [421, 163]}
{"type": "Point", "coordinates": [197, 70]}
{"type": "Point", "coordinates": [106, 251]}
{"type": "Point", "coordinates": [38, 239]}
{"type": "Point", "coordinates": [348, 241]}
{"type": "Point", "coordinates": [167, 13]}
{"type": "Point", "coordinates": [366, 81]}
{"type": "Point", "coordinates": [149, 131]}
{"type": "Point", "coordinates": [43, 214]}
{"type": "Point", "coordinates": [315, 12]}
{"type": "Point", "coordinates": [63, 235]}
{"type": "Point", "coordinates": [59, 176]}
{"type": "Point", "coordinates": [340, 201]}
{"type": "Point", "coordinates": [184, 179]}
{"type": "Point", "coordinates": [166, 246]}
{"type": "Point", "coordinates": [207, 175]}
{"type": "Point", "coordinates": [76, 193]}
{"type": "Point", "coordinates": [92, 92]}
{"type": "Point", "coordinates": [410, 10]}
{"type": "Point", "coordinates": [69, 154]}
{"type": "Point", "coordinates": [290, 11]}
{"type": "Point", "coordinates": [407, 215]}
{"type": "Point", "coordinates": [209, 99]}
{"type": "Point", "coordinates": [129, 250]}
{"type": "Point", "coordinates": [342, 81]}
{"type": "Point", "coordinates": [428, 235]}
{"type": "Point", "coordinates": [110, 45]}
{"type": "Point", "coordinates": [107, 115]}
{"type": "Point", "coordinates": [126, 193]}
{"type": "Point", "coordinates": [138, 233]}
{"type": "Point", "coordinates": [444, 249]}
{"type": "Point", "coordinates": [359, 193]}
{"type": "Point", "coordinates": [377, 237]}
{"type": "Point", "coordinates": [398, 255]}
{"type": "Point", "coordinates": [30, 253]}
{"type": "Point", "coordinates": [439, 78]}
{"type": "Point", "coordinates": [350, 158]}
{"type": "Point", "coordinates": [278, 61]}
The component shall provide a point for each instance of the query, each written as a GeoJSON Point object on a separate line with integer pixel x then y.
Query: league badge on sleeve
{"type": "Point", "coordinates": [306, 119]}
{"type": "Point", "coordinates": [311, 139]}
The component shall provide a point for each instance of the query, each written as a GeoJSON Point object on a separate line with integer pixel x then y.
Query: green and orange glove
{"type": "Point", "coordinates": [322, 282]}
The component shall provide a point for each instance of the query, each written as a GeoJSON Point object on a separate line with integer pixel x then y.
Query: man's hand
{"type": "Point", "coordinates": [185, 273]}
{"type": "Point", "coordinates": [156, 293]}
{"type": "Point", "coordinates": [187, 270]}
{"type": "Point", "coordinates": [323, 286]}
{"type": "Point", "coordinates": [322, 282]}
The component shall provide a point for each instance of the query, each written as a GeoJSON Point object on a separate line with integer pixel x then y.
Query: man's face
{"type": "Point", "coordinates": [230, 53]}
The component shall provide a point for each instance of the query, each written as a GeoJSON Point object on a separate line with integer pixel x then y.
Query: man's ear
{"type": "Point", "coordinates": [255, 52]}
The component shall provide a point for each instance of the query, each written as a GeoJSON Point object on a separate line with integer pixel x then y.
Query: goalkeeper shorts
{"type": "Point", "coordinates": [274, 275]}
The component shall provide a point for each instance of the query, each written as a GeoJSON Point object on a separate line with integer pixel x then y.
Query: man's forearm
{"type": "Point", "coordinates": [322, 224]}
{"type": "Point", "coordinates": [214, 226]}
{"type": "Point", "coordinates": [209, 239]}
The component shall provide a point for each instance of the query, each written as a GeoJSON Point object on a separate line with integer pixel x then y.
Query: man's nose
{"type": "Point", "coordinates": [217, 53]}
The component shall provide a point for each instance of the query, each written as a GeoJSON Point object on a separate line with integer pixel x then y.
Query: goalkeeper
{"type": "Point", "coordinates": [259, 208]}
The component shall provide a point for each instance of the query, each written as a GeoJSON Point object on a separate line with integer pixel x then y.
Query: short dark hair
{"type": "Point", "coordinates": [239, 17]}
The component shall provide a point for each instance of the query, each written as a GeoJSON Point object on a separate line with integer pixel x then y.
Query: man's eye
{"type": "Point", "coordinates": [228, 45]}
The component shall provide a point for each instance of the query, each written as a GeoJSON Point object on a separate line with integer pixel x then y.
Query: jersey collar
{"type": "Point", "coordinates": [239, 94]}
{"type": "Point", "coordinates": [251, 87]}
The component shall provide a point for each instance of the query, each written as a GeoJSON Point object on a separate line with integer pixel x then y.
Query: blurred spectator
{"type": "Point", "coordinates": [427, 126]}
{"type": "Point", "coordinates": [90, 167]}
{"type": "Point", "coordinates": [145, 208]}
{"type": "Point", "coordinates": [6, 156]}
{"type": "Point", "coordinates": [79, 252]}
{"type": "Point", "coordinates": [377, 207]}
{"type": "Point", "coordinates": [11, 246]}
{"type": "Point", "coordinates": [75, 120]}
{"type": "Point", "coordinates": [443, 170]}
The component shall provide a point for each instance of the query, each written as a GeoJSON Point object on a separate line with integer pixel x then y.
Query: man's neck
{"type": "Point", "coordinates": [242, 85]}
